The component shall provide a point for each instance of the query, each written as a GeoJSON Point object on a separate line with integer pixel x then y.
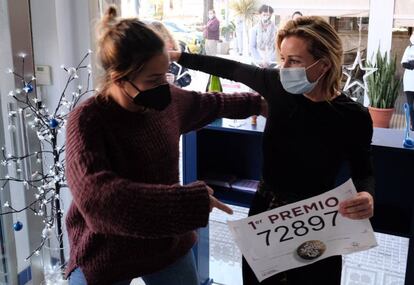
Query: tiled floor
{"type": "Point", "coordinates": [383, 265]}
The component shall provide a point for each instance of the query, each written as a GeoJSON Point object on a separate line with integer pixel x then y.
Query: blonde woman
{"type": "Point", "coordinates": [312, 129]}
{"type": "Point", "coordinates": [165, 34]}
{"type": "Point", "coordinates": [176, 74]}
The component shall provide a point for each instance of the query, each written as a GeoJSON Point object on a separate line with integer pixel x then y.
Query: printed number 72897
{"type": "Point", "coordinates": [300, 228]}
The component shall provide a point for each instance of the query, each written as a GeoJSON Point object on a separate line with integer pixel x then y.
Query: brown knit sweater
{"type": "Point", "coordinates": [129, 215]}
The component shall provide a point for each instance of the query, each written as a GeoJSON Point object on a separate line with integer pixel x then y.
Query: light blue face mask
{"type": "Point", "coordinates": [295, 81]}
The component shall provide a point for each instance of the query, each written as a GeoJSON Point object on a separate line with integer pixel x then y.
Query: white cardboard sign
{"type": "Point", "coordinates": [301, 233]}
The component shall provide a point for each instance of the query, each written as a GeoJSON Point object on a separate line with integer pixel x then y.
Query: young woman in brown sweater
{"type": "Point", "coordinates": [130, 217]}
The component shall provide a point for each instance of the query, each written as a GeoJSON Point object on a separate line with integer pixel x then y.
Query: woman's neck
{"type": "Point", "coordinates": [317, 95]}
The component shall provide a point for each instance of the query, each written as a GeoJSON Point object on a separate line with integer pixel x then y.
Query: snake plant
{"type": "Point", "coordinates": [383, 85]}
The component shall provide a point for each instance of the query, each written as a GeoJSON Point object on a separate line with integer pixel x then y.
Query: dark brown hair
{"type": "Point", "coordinates": [124, 46]}
{"type": "Point", "coordinates": [323, 42]}
{"type": "Point", "coordinates": [299, 13]}
{"type": "Point", "coordinates": [265, 8]}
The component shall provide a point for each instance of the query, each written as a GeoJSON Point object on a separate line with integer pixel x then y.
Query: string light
{"type": "Point", "coordinates": [72, 71]}
{"type": "Point", "coordinates": [46, 186]}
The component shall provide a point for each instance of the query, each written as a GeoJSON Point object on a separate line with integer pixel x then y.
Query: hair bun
{"type": "Point", "coordinates": [111, 12]}
{"type": "Point", "coordinates": [110, 15]}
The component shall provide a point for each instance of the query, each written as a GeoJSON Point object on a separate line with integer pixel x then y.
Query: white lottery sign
{"type": "Point", "coordinates": [301, 233]}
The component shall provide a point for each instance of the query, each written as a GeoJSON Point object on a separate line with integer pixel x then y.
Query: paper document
{"type": "Point", "coordinates": [301, 233]}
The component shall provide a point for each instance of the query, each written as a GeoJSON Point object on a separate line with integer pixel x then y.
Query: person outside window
{"type": "Point", "coordinates": [262, 39]}
{"type": "Point", "coordinates": [211, 33]}
{"type": "Point", "coordinates": [176, 74]}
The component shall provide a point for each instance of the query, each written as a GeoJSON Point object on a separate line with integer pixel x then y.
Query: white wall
{"type": "Point", "coordinates": [381, 18]}
{"type": "Point", "coordinates": [15, 35]}
{"type": "Point", "coordinates": [318, 7]}
{"type": "Point", "coordinates": [6, 61]}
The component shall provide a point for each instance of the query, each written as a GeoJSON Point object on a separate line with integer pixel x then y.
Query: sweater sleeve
{"type": "Point", "coordinates": [199, 109]}
{"type": "Point", "coordinates": [213, 26]}
{"type": "Point", "coordinates": [262, 80]}
{"type": "Point", "coordinates": [111, 204]}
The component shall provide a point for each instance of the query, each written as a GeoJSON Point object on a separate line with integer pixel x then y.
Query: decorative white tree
{"type": "Point", "coordinates": [47, 184]}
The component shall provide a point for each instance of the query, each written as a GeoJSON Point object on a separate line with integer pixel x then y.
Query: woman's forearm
{"type": "Point", "coordinates": [252, 76]}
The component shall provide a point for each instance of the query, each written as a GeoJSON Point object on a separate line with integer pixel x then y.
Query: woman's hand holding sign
{"type": "Point", "coordinates": [359, 207]}
{"type": "Point", "coordinates": [302, 232]}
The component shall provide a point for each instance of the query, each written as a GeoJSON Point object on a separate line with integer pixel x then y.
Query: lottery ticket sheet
{"type": "Point", "coordinates": [301, 233]}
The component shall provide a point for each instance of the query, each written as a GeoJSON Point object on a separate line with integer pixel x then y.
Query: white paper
{"type": "Point", "coordinates": [269, 241]}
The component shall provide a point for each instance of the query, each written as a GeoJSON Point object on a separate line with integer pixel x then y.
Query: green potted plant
{"type": "Point", "coordinates": [383, 89]}
{"type": "Point", "coordinates": [227, 33]}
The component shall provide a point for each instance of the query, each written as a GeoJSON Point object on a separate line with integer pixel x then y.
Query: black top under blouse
{"type": "Point", "coordinates": [304, 142]}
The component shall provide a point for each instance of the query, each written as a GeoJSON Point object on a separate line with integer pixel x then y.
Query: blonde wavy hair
{"type": "Point", "coordinates": [323, 42]}
{"type": "Point", "coordinates": [165, 34]}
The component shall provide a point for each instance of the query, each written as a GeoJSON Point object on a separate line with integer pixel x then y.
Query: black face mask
{"type": "Point", "coordinates": [157, 98]}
